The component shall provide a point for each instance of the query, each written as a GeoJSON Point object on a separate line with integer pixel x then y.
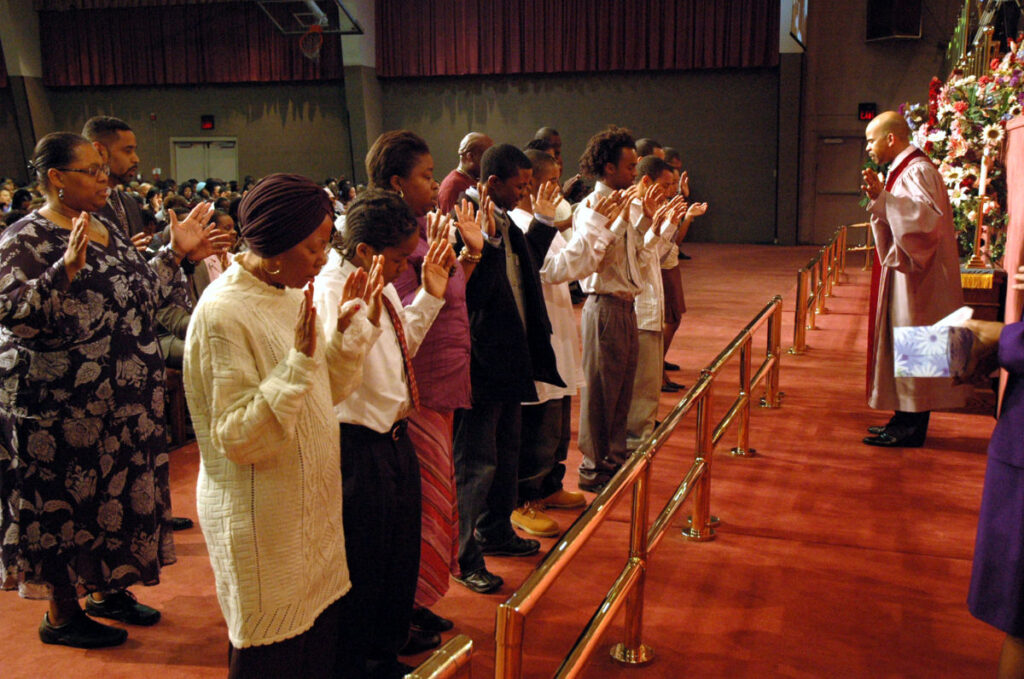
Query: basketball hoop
{"type": "Point", "coordinates": [311, 41]}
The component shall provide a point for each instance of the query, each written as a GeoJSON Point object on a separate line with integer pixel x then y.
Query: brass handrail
{"type": "Point", "coordinates": [628, 588]}
{"type": "Point", "coordinates": [814, 282]}
{"type": "Point", "coordinates": [447, 662]}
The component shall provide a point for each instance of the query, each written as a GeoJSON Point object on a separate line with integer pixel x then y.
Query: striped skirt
{"type": "Point", "coordinates": [431, 434]}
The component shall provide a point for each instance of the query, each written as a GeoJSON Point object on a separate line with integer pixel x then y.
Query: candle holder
{"type": "Point", "coordinates": [976, 261]}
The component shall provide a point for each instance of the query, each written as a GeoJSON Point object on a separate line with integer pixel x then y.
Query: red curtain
{"type": "Point", "coordinates": [176, 45]}
{"type": "Point", "coordinates": [463, 37]}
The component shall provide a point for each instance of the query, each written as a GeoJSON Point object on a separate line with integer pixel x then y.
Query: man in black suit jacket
{"type": "Point", "coordinates": [511, 347]}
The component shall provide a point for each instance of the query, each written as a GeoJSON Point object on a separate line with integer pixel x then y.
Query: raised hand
{"type": "Point", "coordinates": [696, 210]}
{"type": "Point", "coordinates": [612, 205]}
{"type": "Point", "coordinates": [469, 227]}
{"type": "Point", "coordinates": [872, 183]}
{"type": "Point", "coordinates": [305, 326]}
{"type": "Point", "coordinates": [192, 237]}
{"type": "Point", "coordinates": [684, 184]}
{"type": "Point", "coordinates": [354, 288]}
{"type": "Point", "coordinates": [1018, 279]}
{"type": "Point", "coordinates": [547, 199]}
{"type": "Point", "coordinates": [486, 215]}
{"type": "Point", "coordinates": [440, 258]}
{"type": "Point", "coordinates": [651, 200]}
{"type": "Point", "coordinates": [78, 243]}
{"type": "Point", "coordinates": [141, 241]}
{"type": "Point", "coordinates": [374, 289]}
{"type": "Point", "coordinates": [438, 226]}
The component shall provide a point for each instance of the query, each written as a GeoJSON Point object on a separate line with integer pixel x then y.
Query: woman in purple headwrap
{"type": "Point", "coordinates": [261, 376]}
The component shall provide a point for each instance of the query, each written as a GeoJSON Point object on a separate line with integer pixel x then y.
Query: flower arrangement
{"type": "Point", "coordinates": [964, 123]}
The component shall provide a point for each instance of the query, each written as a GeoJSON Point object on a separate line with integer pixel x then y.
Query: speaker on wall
{"type": "Point", "coordinates": [894, 19]}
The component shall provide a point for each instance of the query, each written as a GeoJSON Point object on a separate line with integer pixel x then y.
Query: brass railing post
{"type": "Point", "coordinates": [812, 311]}
{"type": "Point", "coordinates": [842, 251]}
{"type": "Point", "coordinates": [743, 429]}
{"type": "Point", "coordinates": [819, 298]}
{"type": "Point", "coordinates": [830, 268]}
{"type": "Point", "coordinates": [700, 529]}
{"type": "Point", "coordinates": [508, 643]}
{"type": "Point", "coordinates": [772, 395]}
{"type": "Point", "coordinates": [633, 651]}
{"type": "Point", "coordinates": [800, 314]}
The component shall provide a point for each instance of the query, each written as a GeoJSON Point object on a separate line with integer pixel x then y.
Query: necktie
{"type": "Point", "coordinates": [512, 271]}
{"type": "Point", "coordinates": [397, 322]}
{"type": "Point", "coordinates": [122, 218]}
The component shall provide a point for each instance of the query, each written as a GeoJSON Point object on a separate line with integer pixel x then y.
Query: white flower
{"type": "Point", "coordinates": [957, 195]}
{"type": "Point", "coordinates": [938, 134]}
{"type": "Point", "coordinates": [993, 134]}
{"type": "Point", "coordinates": [1015, 110]}
{"type": "Point", "coordinates": [953, 174]}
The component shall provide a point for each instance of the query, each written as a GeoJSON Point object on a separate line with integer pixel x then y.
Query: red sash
{"type": "Point", "coordinates": [876, 271]}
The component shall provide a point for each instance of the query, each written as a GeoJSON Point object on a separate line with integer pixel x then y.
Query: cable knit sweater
{"type": "Point", "coordinates": [269, 490]}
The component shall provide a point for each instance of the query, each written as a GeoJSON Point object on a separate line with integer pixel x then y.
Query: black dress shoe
{"type": "Point", "coordinates": [481, 581]}
{"type": "Point", "coordinates": [81, 632]}
{"type": "Point", "coordinates": [428, 621]}
{"type": "Point", "coordinates": [420, 641]}
{"type": "Point", "coordinates": [514, 546]}
{"type": "Point", "coordinates": [876, 429]}
{"type": "Point", "coordinates": [389, 669]}
{"type": "Point", "coordinates": [671, 366]}
{"type": "Point", "coordinates": [594, 486]}
{"type": "Point", "coordinates": [888, 440]}
{"type": "Point", "coordinates": [181, 523]}
{"type": "Point", "coordinates": [683, 255]}
{"type": "Point", "coordinates": [674, 385]}
{"type": "Point", "coordinates": [669, 387]}
{"type": "Point", "coordinates": [124, 607]}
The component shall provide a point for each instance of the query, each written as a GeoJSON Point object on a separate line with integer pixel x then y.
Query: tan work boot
{"type": "Point", "coordinates": [530, 519]}
{"type": "Point", "coordinates": [564, 499]}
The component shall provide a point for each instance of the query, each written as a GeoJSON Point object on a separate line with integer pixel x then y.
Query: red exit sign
{"type": "Point", "coordinates": [866, 111]}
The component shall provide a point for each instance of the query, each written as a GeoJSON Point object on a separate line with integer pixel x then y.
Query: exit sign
{"type": "Point", "coordinates": [206, 122]}
{"type": "Point", "coordinates": [866, 110]}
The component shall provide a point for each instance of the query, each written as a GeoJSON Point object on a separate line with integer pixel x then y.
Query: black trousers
{"type": "Point", "coordinates": [310, 655]}
{"type": "Point", "coordinates": [546, 434]}
{"type": "Point", "coordinates": [382, 508]}
{"type": "Point", "coordinates": [486, 452]}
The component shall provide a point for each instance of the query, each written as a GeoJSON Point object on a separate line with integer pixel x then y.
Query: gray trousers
{"type": "Point", "coordinates": [643, 409]}
{"type": "Point", "coordinates": [610, 348]}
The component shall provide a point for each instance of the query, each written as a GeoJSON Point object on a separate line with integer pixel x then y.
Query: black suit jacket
{"type": "Point", "coordinates": [131, 209]}
{"type": "Point", "coordinates": [505, 357]}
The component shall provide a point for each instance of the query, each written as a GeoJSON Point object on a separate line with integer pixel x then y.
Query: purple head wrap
{"type": "Point", "coordinates": [280, 212]}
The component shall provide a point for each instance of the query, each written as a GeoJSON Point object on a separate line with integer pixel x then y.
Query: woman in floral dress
{"type": "Point", "coordinates": [83, 460]}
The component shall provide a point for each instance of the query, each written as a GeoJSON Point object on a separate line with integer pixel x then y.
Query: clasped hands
{"type": "Point", "coordinates": [361, 284]}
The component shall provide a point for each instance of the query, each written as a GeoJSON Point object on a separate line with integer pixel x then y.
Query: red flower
{"type": "Point", "coordinates": [960, 106]}
{"type": "Point", "coordinates": [985, 79]}
{"type": "Point", "coordinates": [993, 65]}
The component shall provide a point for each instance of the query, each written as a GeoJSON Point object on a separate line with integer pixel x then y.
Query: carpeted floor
{"type": "Point", "coordinates": [833, 559]}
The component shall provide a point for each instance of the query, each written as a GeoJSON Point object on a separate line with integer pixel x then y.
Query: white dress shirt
{"type": "Point", "coordinates": [383, 398]}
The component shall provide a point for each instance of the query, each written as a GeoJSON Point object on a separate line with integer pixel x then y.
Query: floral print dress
{"type": "Point", "coordinates": [83, 455]}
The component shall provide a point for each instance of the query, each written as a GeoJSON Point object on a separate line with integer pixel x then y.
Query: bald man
{"type": "Point", "coordinates": [919, 280]}
{"type": "Point", "coordinates": [467, 174]}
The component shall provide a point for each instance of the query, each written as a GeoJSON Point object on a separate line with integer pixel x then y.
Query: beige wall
{"type": "Point", "coordinates": [723, 122]}
{"type": "Point", "coordinates": [843, 70]}
{"type": "Point", "coordinates": [280, 128]}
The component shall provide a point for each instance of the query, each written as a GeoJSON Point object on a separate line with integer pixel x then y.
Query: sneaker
{"type": "Point", "coordinates": [595, 486]}
{"type": "Point", "coordinates": [81, 632]}
{"type": "Point", "coordinates": [514, 546]}
{"type": "Point", "coordinates": [564, 499]}
{"type": "Point", "coordinates": [530, 519]}
{"type": "Point", "coordinates": [124, 607]}
{"type": "Point", "coordinates": [481, 581]}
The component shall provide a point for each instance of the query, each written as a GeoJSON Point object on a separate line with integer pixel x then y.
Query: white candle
{"type": "Point", "coordinates": [984, 173]}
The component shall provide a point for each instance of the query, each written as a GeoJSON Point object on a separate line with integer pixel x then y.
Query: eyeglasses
{"type": "Point", "coordinates": [91, 171]}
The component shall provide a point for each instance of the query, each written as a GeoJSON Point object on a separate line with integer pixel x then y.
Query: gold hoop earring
{"type": "Point", "coordinates": [268, 271]}
{"type": "Point", "coordinates": [401, 194]}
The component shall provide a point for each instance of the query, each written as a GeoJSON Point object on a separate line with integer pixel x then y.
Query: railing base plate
{"type": "Point", "coordinates": [715, 522]}
{"type": "Point", "coordinates": [796, 352]}
{"type": "Point", "coordinates": [743, 452]}
{"type": "Point", "coordinates": [694, 535]}
{"type": "Point", "coordinates": [777, 404]}
{"type": "Point", "coordinates": [629, 656]}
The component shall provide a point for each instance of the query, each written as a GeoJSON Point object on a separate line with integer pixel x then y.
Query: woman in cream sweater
{"type": "Point", "coordinates": [261, 377]}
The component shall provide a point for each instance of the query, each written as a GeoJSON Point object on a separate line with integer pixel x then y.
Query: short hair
{"type": "Point", "coordinates": [55, 150]}
{"type": "Point", "coordinates": [539, 160]}
{"type": "Point", "coordinates": [104, 128]}
{"type": "Point", "coordinates": [394, 153]}
{"type": "Point", "coordinates": [672, 154]}
{"type": "Point", "coordinates": [174, 202]}
{"type": "Point", "coordinates": [379, 218]}
{"type": "Point", "coordinates": [542, 145]}
{"type": "Point", "coordinates": [603, 148]}
{"type": "Point", "coordinates": [19, 197]}
{"type": "Point", "coordinates": [503, 161]}
{"type": "Point", "coordinates": [546, 133]}
{"type": "Point", "coordinates": [652, 167]}
{"type": "Point", "coordinates": [645, 146]}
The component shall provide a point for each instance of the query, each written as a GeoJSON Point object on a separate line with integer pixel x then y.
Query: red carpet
{"type": "Point", "coordinates": [833, 559]}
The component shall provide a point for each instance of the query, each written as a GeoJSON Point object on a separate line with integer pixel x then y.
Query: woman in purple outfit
{"type": "Point", "coordinates": [997, 579]}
